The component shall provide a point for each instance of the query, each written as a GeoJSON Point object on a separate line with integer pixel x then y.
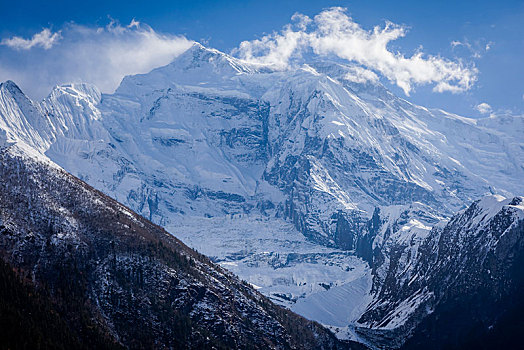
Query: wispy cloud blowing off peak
{"type": "Point", "coordinates": [99, 55]}
{"type": "Point", "coordinates": [45, 39]}
{"type": "Point", "coordinates": [103, 55]}
{"type": "Point", "coordinates": [333, 32]}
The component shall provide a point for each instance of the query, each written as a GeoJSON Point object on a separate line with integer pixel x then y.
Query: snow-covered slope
{"type": "Point", "coordinates": [21, 119]}
{"type": "Point", "coordinates": [237, 136]}
{"type": "Point", "coordinates": [251, 161]}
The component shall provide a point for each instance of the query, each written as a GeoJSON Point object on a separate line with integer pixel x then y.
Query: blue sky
{"type": "Point", "coordinates": [486, 36]}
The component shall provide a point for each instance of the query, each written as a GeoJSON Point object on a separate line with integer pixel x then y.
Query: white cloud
{"type": "Point", "coordinates": [483, 108]}
{"type": "Point", "coordinates": [333, 32]}
{"type": "Point", "coordinates": [45, 39]}
{"type": "Point", "coordinates": [98, 55]}
{"type": "Point", "coordinates": [361, 75]}
{"type": "Point", "coordinates": [134, 24]}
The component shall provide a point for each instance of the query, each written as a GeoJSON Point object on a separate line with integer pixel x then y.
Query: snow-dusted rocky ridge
{"type": "Point", "coordinates": [468, 267]}
{"type": "Point", "coordinates": [244, 163]}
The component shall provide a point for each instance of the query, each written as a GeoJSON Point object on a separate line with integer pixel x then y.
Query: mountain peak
{"type": "Point", "coordinates": [197, 66]}
{"type": "Point", "coordinates": [491, 205]}
{"type": "Point", "coordinates": [199, 57]}
{"type": "Point", "coordinates": [11, 87]}
{"type": "Point", "coordinates": [197, 48]}
{"type": "Point", "coordinates": [83, 91]}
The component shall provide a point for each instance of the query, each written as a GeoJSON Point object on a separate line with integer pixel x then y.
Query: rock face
{"type": "Point", "coordinates": [111, 270]}
{"type": "Point", "coordinates": [465, 274]}
{"type": "Point", "coordinates": [242, 162]}
{"type": "Point", "coordinates": [473, 267]}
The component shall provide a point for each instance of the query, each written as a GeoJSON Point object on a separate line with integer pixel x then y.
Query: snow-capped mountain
{"type": "Point", "coordinates": [317, 189]}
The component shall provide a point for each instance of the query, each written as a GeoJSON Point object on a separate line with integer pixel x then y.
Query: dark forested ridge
{"type": "Point", "coordinates": [97, 275]}
{"type": "Point", "coordinates": [31, 319]}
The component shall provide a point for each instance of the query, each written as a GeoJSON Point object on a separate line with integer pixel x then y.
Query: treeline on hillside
{"type": "Point", "coordinates": [30, 319]}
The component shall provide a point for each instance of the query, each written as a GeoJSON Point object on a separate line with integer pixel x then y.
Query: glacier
{"type": "Point", "coordinates": [303, 182]}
